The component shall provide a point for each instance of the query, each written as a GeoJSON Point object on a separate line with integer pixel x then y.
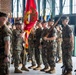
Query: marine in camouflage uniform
{"type": "Point", "coordinates": [11, 46]}
{"type": "Point", "coordinates": [44, 47]}
{"type": "Point", "coordinates": [23, 53]}
{"type": "Point", "coordinates": [24, 59]}
{"type": "Point", "coordinates": [67, 46]}
{"type": "Point", "coordinates": [17, 46]}
{"type": "Point", "coordinates": [37, 44]}
{"type": "Point", "coordinates": [32, 47]}
{"type": "Point", "coordinates": [59, 42]}
{"type": "Point", "coordinates": [4, 45]}
{"type": "Point", "coordinates": [51, 46]}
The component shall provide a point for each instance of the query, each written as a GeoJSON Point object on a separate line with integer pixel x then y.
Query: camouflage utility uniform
{"type": "Point", "coordinates": [37, 44]}
{"type": "Point", "coordinates": [32, 48]}
{"type": "Point", "coordinates": [51, 49]}
{"type": "Point", "coordinates": [44, 48]}
{"type": "Point", "coordinates": [66, 48]}
{"type": "Point", "coordinates": [4, 32]}
{"type": "Point", "coordinates": [59, 48]}
{"type": "Point", "coordinates": [17, 47]}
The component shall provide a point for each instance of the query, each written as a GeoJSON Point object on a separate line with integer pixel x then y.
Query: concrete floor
{"type": "Point", "coordinates": [33, 72]}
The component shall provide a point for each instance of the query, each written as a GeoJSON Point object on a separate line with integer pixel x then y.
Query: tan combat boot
{"type": "Point", "coordinates": [47, 69]}
{"type": "Point", "coordinates": [43, 69]}
{"type": "Point", "coordinates": [60, 60]}
{"type": "Point", "coordinates": [24, 68]}
{"type": "Point", "coordinates": [17, 70]}
{"type": "Point", "coordinates": [29, 67]}
{"type": "Point", "coordinates": [38, 68]}
{"type": "Point", "coordinates": [68, 73]}
{"type": "Point", "coordinates": [33, 67]}
{"type": "Point", "coordinates": [51, 71]}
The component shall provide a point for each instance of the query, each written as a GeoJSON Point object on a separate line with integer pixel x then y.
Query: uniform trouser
{"type": "Point", "coordinates": [67, 57]}
{"type": "Point", "coordinates": [51, 54]}
{"type": "Point", "coordinates": [17, 58]}
{"type": "Point", "coordinates": [4, 67]}
{"type": "Point", "coordinates": [23, 57]}
{"type": "Point", "coordinates": [59, 50]}
{"type": "Point", "coordinates": [29, 54]}
{"type": "Point", "coordinates": [37, 56]}
{"type": "Point", "coordinates": [32, 55]}
{"type": "Point", "coordinates": [44, 56]}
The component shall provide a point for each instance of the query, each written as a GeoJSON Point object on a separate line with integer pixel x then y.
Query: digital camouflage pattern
{"type": "Point", "coordinates": [37, 44]}
{"type": "Point", "coordinates": [67, 48]}
{"type": "Point", "coordinates": [17, 47]}
{"type": "Point", "coordinates": [31, 41]}
{"type": "Point", "coordinates": [59, 42]}
{"type": "Point", "coordinates": [51, 48]}
{"type": "Point", "coordinates": [4, 67]}
{"type": "Point", "coordinates": [44, 48]}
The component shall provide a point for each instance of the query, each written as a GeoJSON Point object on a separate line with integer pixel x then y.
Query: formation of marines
{"type": "Point", "coordinates": [52, 44]}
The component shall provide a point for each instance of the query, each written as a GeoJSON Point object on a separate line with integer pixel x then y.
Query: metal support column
{"type": "Point", "coordinates": [44, 8]}
{"type": "Point", "coordinates": [24, 4]}
{"type": "Point", "coordinates": [38, 7]}
{"type": "Point", "coordinates": [53, 9]}
{"type": "Point", "coordinates": [17, 7]}
{"type": "Point", "coordinates": [71, 1]}
{"type": "Point", "coordinates": [61, 6]}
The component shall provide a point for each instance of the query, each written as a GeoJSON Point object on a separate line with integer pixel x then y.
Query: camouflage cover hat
{"type": "Point", "coordinates": [44, 21]}
{"type": "Point", "coordinates": [9, 23]}
{"type": "Point", "coordinates": [65, 17]}
{"type": "Point", "coordinates": [51, 19]}
{"type": "Point", "coordinates": [18, 22]}
{"type": "Point", "coordinates": [2, 14]}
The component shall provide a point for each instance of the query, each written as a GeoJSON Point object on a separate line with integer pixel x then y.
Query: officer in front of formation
{"type": "Point", "coordinates": [67, 46]}
{"type": "Point", "coordinates": [51, 46]}
{"type": "Point", "coordinates": [4, 44]}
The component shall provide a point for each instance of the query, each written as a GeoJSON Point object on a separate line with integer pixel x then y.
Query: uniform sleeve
{"type": "Point", "coordinates": [70, 31]}
{"type": "Point", "coordinates": [55, 32]}
{"type": "Point", "coordinates": [7, 31]}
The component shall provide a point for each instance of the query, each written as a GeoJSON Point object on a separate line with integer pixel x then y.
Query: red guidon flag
{"type": "Point", "coordinates": [30, 18]}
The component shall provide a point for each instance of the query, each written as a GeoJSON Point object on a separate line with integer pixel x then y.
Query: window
{"type": "Point", "coordinates": [17, 8]}
{"type": "Point", "coordinates": [66, 6]}
{"type": "Point", "coordinates": [74, 6]}
{"type": "Point", "coordinates": [41, 8]}
{"type": "Point", "coordinates": [20, 12]}
{"type": "Point", "coordinates": [14, 8]}
{"type": "Point", "coordinates": [57, 7]}
{"type": "Point", "coordinates": [48, 7]}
